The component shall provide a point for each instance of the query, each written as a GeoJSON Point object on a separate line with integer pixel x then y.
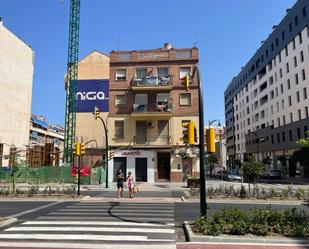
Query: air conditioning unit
{"type": "Point", "coordinates": [150, 124]}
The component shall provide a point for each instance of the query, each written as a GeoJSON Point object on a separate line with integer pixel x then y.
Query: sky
{"type": "Point", "coordinates": [227, 33]}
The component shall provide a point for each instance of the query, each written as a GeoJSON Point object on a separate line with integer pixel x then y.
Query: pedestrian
{"type": "Point", "coordinates": [120, 180]}
{"type": "Point", "coordinates": [130, 184]}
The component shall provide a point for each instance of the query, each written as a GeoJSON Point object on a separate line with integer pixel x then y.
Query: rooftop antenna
{"type": "Point", "coordinates": [119, 41]}
{"type": "Point", "coordinates": [195, 36]}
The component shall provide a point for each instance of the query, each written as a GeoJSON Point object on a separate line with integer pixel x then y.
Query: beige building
{"type": "Point", "coordinates": [16, 76]}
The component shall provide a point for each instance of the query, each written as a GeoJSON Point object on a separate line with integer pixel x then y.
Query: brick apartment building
{"type": "Point", "coordinates": [148, 102]}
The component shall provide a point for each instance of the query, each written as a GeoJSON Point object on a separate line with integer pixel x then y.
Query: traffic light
{"type": "Point", "coordinates": [96, 112]}
{"type": "Point", "coordinates": [210, 140]}
{"type": "Point", "coordinates": [187, 81]}
{"type": "Point", "coordinates": [188, 133]}
{"type": "Point", "coordinates": [82, 149]}
{"type": "Point", "coordinates": [111, 154]}
{"type": "Point", "coordinates": [76, 149]}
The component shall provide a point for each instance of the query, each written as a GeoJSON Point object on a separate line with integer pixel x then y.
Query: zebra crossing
{"type": "Point", "coordinates": [104, 225]}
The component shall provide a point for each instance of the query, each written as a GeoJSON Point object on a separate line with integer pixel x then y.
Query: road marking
{"type": "Point", "coordinates": [127, 214]}
{"type": "Point", "coordinates": [85, 246]}
{"type": "Point", "coordinates": [115, 210]}
{"type": "Point", "coordinates": [34, 209]}
{"type": "Point", "coordinates": [96, 223]}
{"type": "Point", "coordinates": [91, 218]}
{"type": "Point", "coordinates": [93, 229]}
{"type": "Point", "coordinates": [91, 237]}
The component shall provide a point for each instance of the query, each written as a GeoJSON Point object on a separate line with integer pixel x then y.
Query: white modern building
{"type": "Point", "coordinates": [16, 76]}
{"type": "Point", "coordinates": [267, 102]}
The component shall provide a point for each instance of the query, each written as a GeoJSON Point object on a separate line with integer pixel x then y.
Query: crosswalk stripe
{"type": "Point", "coordinates": [104, 218]}
{"type": "Point", "coordinates": [127, 214]}
{"type": "Point", "coordinates": [92, 229]}
{"type": "Point", "coordinates": [84, 245]}
{"type": "Point", "coordinates": [115, 210]}
{"type": "Point", "coordinates": [96, 223]}
{"type": "Point", "coordinates": [89, 237]}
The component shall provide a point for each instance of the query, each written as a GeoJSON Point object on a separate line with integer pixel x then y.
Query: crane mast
{"type": "Point", "coordinates": [71, 81]}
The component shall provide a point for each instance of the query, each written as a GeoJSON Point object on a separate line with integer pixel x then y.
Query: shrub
{"type": "Point", "coordinates": [210, 192]}
{"type": "Point", "coordinates": [300, 193]}
{"type": "Point", "coordinates": [243, 192]}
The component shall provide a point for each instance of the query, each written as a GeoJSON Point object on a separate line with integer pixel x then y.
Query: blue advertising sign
{"type": "Point", "coordinates": [91, 93]}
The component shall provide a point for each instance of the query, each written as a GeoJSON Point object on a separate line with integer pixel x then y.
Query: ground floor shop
{"type": "Point", "coordinates": [153, 165]}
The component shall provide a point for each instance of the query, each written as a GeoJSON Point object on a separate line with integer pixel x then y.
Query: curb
{"type": "Point", "coordinates": [191, 237]}
{"type": "Point", "coordinates": [239, 201]}
{"type": "Point", "coordinates": [8, 222]}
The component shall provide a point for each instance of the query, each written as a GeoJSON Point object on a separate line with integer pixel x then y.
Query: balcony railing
{"type": "Point", "coordinates": [159, 108]}
{"type": "Point", "coordinates": [152, 81]}
{"type": "Point", "coordinates": [163, 140]}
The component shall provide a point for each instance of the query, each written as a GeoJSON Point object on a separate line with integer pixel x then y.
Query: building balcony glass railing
{"type": "Point", "coordinates": [158, 108]}
{"type": "Point", "coordinates": [152, 81]}
{"type": "Point", "coordinates": [162, 140]}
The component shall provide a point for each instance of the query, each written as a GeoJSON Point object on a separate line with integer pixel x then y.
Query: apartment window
{"type": "Point", "coordinates": [276, 78]}
{"type": "Point", "coordinates": [272, 138]}
{"type": "Point", "coordinates": [278, 137]}
{"type": "Point", "coordinates": [140, 73]}
{"type": "Point", "coordinates": [282, 104]}
{"type": "Point", "coordinates": [278, 122]}
{"type": "Point", "coordinates": [248, 121]}
{"type": "Point", "coordinates": [163, 72]}
{"type": "Point", "coordinates": [283, 136]}
{"type": "Point", "coordinates": [119, 129]}
{"type": "Point", "coordinates": [272, 47]}
{"type": "Point", "coordinates": [287, 68]}
{"type": "Point", "coordinates": [162, 98]}
{"type": "Point", "coordinates": [266, 52]}
{"type": "Point", "coordinates": [301, 56]}
{"type": "Point", "coordinates": [293, 44]}
{"type": "Point", "coordinates": [280, 73]}
{"type": "Point", "coordinates": [248, 110]}
{"type": "Point", "coordinates": [283, 119]}
{"type": "Point", "coordinates": [276, 91]}
{"type": "Point", "coordinates": [290, 27]}
{"type": "Point", "coordinates": [299, 114]}
{"type": "Point", "coordinates": [290, 135]}
{"type": "Point", "coordinates": [120, 100]}
{"type": "Point", "coordinates": [121, 74]}
{"type": "Point", "coordinates": [272, 94]}
{"type": "Point", "coordinates": [289, 84]}
{"type": "Point", "coordinates": [277, 106]}
{"type": "Point", "coordinates": [297, 97]}
{"type": "Point", "coordinates": [272, 109]}
{"type": "Point", "coordinates": [296, 79]}
{"type": "Point", "coordinates": [304, 12]}
{"type": "Point", "coordinates": [303, 73]}
{"type": "Point", "coordinates": [291, 117]}
{"type": "Point", "coordinates": [298, 133]}
{"type": "Point", "coordinates": [283, 35]}
{"type": "Point", "coordinates": [306, 112]}
{"type": "Point", "coordinates": [141, 99]}
{"type": "Point", "coordinates": [183, 71]}
{"type": "Point", "coordinates": [185, 99]}
{"type": "Point", "coordinates": [271, 80]}
{"type": "Point", "coordinates": [277, 42]}
{"type": "Point", "coordinates": [295, 61]}
{"type": "Point", "coordinates": [286, 51]}
{"type": "Point", "coordinates": [279, 57]}
{"type": "Point", "coordinates": [281, 88]}
{"type": "Point", "coordinates": [305, 92]}
{"type": "Point", "coordinates": [296, 20]}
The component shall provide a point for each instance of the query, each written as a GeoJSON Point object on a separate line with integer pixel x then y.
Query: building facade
{"type": "Point", "coordinates": [46, 143]}
{"type": "Point", "coordinates": [16, 76]}
{"type": "Point", "coordinates": [266, 104]}
{"type": "Point", "coordinates": [149, 101]}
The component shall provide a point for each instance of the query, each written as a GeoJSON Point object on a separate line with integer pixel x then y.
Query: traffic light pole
{"type": "Point", "coordinates": [106, 153]}
{"type": "Point", "coordinates": [203, 204]}
{"type": "Point", "coordinates": [78, 175]}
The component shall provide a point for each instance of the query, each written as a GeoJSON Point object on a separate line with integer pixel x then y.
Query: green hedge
{"type": "Point", "coordinates": [256, 221]}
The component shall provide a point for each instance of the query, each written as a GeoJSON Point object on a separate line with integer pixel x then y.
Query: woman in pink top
{"type": "Point", "coordinates": [130, 183]}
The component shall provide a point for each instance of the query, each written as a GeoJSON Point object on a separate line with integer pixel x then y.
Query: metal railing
{"type": "Point", "coordinates": [160, 108]}
{"type": "Point", "coordinates": [152, 140]}
{"type": "Point", "coordinates": [152, 81]}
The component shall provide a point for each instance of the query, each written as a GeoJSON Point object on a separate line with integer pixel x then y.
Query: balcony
{"type": "Point", "coordinates": [148, 141]}
{"type": "Point", "coordinates": [152, 83]}
{"type": "Point", "coordinates": [141, 110]}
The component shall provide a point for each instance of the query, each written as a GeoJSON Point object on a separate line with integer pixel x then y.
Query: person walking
{"type": "Point", "coordinates": [130, 184]}
{"type": "Point", "coordinates": [120, 180]}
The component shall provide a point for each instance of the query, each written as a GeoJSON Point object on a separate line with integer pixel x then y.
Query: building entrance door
{"type": "Point", "coordinates": [120, 163]}
{"type": "Point", "coordinates": [141, 169]}
{"type": "Point", "coordinates": [164, 166]}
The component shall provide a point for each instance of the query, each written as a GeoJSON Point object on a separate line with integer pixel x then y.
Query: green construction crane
{"type": "Point", "coordinates": [71, 81]}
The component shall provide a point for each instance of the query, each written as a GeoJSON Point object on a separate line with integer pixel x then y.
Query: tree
{"type": "Point", "coordinates": [252, 170]}
{"type": "Point", "coordinates": [304, 142]}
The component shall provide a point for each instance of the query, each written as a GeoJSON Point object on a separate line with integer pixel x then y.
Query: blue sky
{"type": "Point", "coordinates": [227, 32]}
